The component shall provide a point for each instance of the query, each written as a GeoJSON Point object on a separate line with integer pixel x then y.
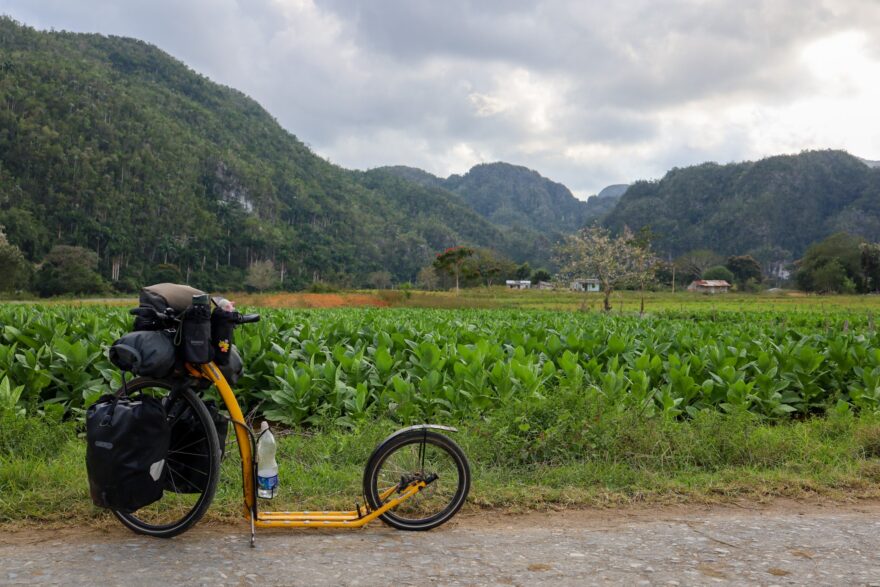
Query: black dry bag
{"type": "Point", "coordinates": [188, 456]}
{"type": "Point", "coordinates": [170, 299]}
{"type": "Point", "coordinates": [125, 455]}
{"type": "Point", "coordinates": [148, 353]}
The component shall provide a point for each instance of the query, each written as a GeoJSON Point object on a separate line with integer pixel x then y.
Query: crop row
{"type": "Point", "coordinates": [347, 365]}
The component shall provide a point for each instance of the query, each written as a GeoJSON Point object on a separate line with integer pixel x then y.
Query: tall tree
{"type": "Point", "coordinates": [744, 268]}
{"type": "Point", "coordinates": [379, 279]}
{"type": "Point", "coordinates": [593, 252]}
{"type": "Point", "coordinates": [427, 278]}
{"type": "Point", "coordinates": [832, 265]}
{"type": "Point", "coordinates": [452, 261]}
{"type": "Point", "coordinates": [261, 275]}
{"type": "Point", "coordinates": [68, 269]}
{"type": "Point", "coordinates": [488, 265]}
{"type": "Point", "coordinates": [540, 275]}
{"type": "Point", "coordinates": [523, 272]}
{"type": "Point", "coordinates": [692, 264]}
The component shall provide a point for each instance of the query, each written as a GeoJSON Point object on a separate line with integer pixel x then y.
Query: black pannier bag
{"type": "Point", "coordinates": [145, 353]}
{"type": "Point", "coordinates": [125, 455]}
{"type": "Point", "coordinates": [188, 463]}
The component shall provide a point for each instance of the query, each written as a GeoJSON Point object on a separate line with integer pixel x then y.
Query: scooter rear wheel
{"type": "Point", "coordinates": [193, 455]}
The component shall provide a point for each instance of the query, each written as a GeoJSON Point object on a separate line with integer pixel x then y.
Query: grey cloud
{"type": "Point", "coordinates": [443, 85]}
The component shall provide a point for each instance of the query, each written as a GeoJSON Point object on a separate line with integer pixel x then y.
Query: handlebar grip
{"type": "Point", "coordinates": [249, 318]}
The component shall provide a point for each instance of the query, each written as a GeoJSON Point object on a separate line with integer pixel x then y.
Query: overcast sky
{"type": "Point", "coordinates": [586, 93]}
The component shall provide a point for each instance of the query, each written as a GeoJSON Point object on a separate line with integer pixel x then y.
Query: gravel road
{"type": "Point", "coordinates": [783, 544]}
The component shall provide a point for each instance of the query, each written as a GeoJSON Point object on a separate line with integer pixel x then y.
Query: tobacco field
{"type": "Point", "coordinates": [344, 366]}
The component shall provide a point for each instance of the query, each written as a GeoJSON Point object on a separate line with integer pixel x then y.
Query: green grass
{"type": "Point", "coordinates": [608, 459]}
{"type": "Point", "coordinates": [630, 301]}
{"type": "Point", "coordinates": [534, 299]}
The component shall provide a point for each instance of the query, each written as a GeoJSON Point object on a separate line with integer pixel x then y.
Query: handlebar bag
{"type": "Point", "coordinates": [188, 464]}
{"type": "Point", "coordinates": [148, 353]}
{"type": "Point", "coordinates": [125, 455]}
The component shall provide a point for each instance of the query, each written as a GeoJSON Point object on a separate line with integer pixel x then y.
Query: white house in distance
{"type": "Point", "coordinates": [709, 286]}
{"type": "Point", "coordinates": [518, 284]}
{"type": "Point", "coordinates": [589, 284]}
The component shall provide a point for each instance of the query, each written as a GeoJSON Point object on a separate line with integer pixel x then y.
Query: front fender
{"type": "Point", "coordinates": [419, 427]}
{"type": "Point", "coordinates": [411, 429]}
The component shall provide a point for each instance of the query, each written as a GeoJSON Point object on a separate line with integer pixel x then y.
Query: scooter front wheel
{"type": "Point", "coordinates": [412, 456]}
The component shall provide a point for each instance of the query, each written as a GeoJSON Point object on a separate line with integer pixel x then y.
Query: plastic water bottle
{"type": "Point", "coordinates": [267, 468]}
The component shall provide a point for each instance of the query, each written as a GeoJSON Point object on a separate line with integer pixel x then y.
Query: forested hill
{"type": "Point", "coordinates": [515, 196]}
{"type": "Point", "coordinates": [772, 208]}
{"type": "Point", "coordinates": [511, 195]}
{"type": "Point", "coordinates": [111, 144]}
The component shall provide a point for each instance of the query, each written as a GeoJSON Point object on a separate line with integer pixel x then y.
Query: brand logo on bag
{"type": "Point", "coordinates": [102, 444]}
{"type": "Point", "coordinates": [156, 469]}
{"type": "Point", "coordinates": [224, 346]}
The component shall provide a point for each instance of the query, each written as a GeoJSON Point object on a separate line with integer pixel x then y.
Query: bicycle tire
{"type": "Point", "coordinates": [202, 500]}
{"type": "Point", "coordinates": [406, 443]}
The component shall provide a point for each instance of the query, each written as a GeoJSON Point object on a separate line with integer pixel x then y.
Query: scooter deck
{"type": "Point", "coordinates": [334, 519]}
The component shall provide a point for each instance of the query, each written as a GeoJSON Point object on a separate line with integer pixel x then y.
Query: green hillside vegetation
{"type": "Point", "coordinates": [413, 174]}
{"type": "Point", "coordinates": [772, 209]}
{"type": "Point", "coordinates": [110, 144]}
